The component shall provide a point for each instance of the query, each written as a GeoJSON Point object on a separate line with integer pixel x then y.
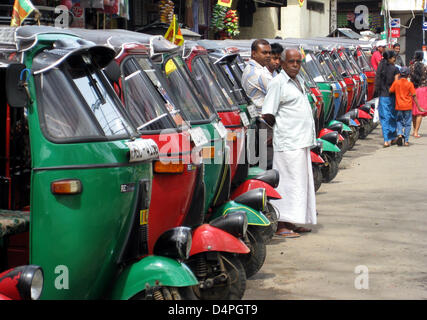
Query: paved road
{"type": "Point", "coordinates": [373, 215]}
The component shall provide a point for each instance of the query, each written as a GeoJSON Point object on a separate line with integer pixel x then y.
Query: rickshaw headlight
{"type": "Point", "coordinates": [30, 284]}
{"type": "Point", "coordinates": [37, 285]}
{"type": "Point", "coordinates": [174, 243]}
{"type": "Point", "coordinates": [235, 223]}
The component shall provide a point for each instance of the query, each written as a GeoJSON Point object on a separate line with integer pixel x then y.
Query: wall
{"type": "Point", "coordinates": [296, 22]}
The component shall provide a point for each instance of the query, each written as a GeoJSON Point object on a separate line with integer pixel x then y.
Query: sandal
{"type": "Point", "coordinates": [386, 145]}
{"type": "Point", "coordinates": [286, 233]}
{"type": "Point", "coordinates": [417, 136]}
{"type": "Point", "coordinates": [399, 141]}
{"type": "Point", "coordinates": [406, 144]}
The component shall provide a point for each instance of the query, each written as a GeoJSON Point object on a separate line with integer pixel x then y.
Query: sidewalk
{"type": "Point", "coordinates": [373, 214]}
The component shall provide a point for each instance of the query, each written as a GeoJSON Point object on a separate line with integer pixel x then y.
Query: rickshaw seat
{"type": "Point", "coordinates": [13, 222]}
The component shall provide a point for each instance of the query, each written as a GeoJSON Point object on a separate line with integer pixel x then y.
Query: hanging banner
{"type": "Point", "coordinates": [225, 3]}
{"type": "Point", "coordinates": [301, 2]}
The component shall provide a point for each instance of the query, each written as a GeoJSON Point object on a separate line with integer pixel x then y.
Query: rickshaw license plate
{"type": "Point", "coordinates": [219, 126]}
{"type": "Point", "coordinates": [142, 150]}
{"type": "Point", "coordinates": [252, 111]}
{"type": "Point", "coordinates": [198, 136]}
{"type": "Point", "coordinates": [244, 118]}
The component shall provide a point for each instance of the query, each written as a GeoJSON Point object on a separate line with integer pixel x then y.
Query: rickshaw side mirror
{"type": "Point", "coordinates": [112, 71]}
{"type": "Point", "coordinates": [16, 88]}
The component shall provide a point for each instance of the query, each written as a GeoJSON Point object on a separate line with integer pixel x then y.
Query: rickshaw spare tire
{"type": "Point", "coordinates": [254, 260]}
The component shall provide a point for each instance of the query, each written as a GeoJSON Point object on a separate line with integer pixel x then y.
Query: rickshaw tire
{"type": "Point", "coordinates": [330, 171]}
{"type": "Point", "coordinates": [272, 216]}
{"type": "Point", "coordinates": [254, 260]}
{"type": "Point", "coordinates": [237, 281]}
{"type": "Point", "coordinates": [317, 177]}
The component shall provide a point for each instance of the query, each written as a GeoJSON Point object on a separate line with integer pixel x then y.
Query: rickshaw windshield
{"type": "Point", "coordinates": [80, 105]}
{"type": "Point", "coordinates": [146, 107]}
{"type": "Point", "coordinates": [332, 67]}
{"type": "Point", "coordinates": [353, 63]}
{"type": "Point", "coordinates": [178, 97]}
{"type": "Point", "coordinates": [236, 68]}
{"type": "Point", "coordinates": [178, 76]}
{"type": "Point", "coordinates": [346, 63]}
{"type": "Point", "coordinates": [308, 79]}
{"type": "Point", "coordinates": [363, 61]}
{"type": "Point", "coordinates": [224, 86]}
{"type": "Point", "coordinates": [228, 86]}
{"type": "Point", "coordinates": [328, 73]}
{"type": "Point", "coordinates": [339, 65]}
{"type": "Point", "coordinates": [240, 63]}
{"type": "Point", "coordinates": [312, 69]}
{"type": "Point", "coordinates": [205, 78]}
{"type": "Point", "coordinates": [231, 77]}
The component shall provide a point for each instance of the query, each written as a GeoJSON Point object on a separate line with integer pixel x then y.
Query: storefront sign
{"type": "Point", "coordinates": [395, 32]}
{"type": "Point", "coordinates": [395, 23]}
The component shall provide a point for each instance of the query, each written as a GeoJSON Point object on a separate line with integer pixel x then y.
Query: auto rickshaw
{"type": "Point", "coordinates": [79, 170]}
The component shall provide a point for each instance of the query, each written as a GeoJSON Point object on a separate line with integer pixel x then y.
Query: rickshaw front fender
{"type": "Point", "coordinates": [152, 271]}
{"type": "Point", "coordinates": [207, 238]}
{"type": "Point", "coordinates": [327, 146]}
{"type": "Point", "coordinates": [255, 217]}
{"type": "Point", "coordinates": [252, 184]}
{"type": "Point", "coordinates": [315, 158]}
{"type": "Point", "coordinates": [344, 126]}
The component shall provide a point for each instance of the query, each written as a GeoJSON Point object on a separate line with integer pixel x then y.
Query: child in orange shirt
{"type": "Point", "coordinates": [405, 92]}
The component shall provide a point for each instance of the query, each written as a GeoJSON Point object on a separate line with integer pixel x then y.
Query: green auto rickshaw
{"type": "Point", "coordinates": [78, 169]}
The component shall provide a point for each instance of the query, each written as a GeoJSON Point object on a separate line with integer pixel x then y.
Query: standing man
{"type": "Point", "coordinates": [399, 60]}
{"type": "Point", "coordinates": [273, 66]}
{"type": "Point", "coordinates": [378, 54]}
{"type": "Point", "coordinates": [287, 109]}
{"type": "Point", "coordinates": [255, 77]}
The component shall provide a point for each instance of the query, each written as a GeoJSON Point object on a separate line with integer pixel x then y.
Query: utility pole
{"type": "Point", "coordinates": [333, 16]}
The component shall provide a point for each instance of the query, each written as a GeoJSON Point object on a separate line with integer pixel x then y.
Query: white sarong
{"type": "Point", "coordinates": [296, 186]}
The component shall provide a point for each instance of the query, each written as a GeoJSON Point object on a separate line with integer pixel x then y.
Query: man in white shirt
{"type": "Point", "coordinates": [286, 108]}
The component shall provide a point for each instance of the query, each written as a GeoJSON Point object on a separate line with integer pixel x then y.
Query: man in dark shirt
{"type": "Point", "coordinates": [399, 60]}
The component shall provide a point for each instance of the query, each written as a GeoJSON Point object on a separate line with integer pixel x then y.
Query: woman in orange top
{"type": "Point", "coordinates": [405, 93]}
